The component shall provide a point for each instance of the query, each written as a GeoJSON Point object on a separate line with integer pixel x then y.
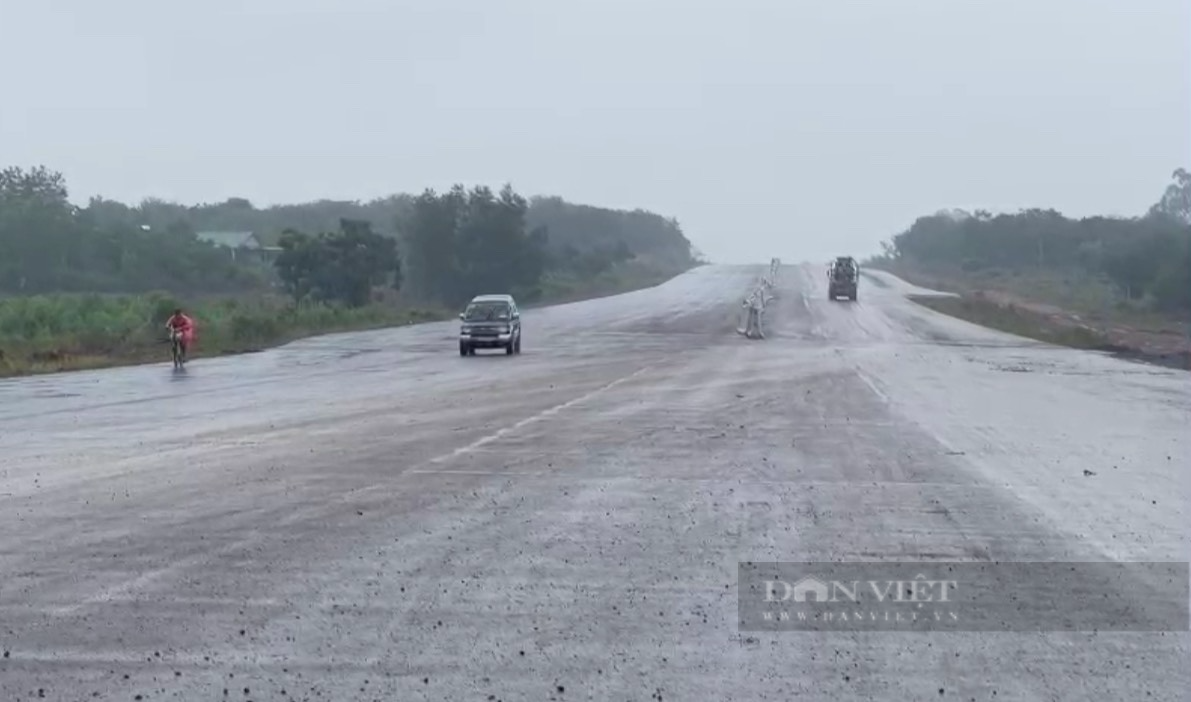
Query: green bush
{"type": "Point", "coordinates": [128, 327]}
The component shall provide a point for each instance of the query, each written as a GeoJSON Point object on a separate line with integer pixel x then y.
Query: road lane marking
{"type": "Point", "coordinates": [139, 583]}
{"type": "Point", "coordinates": [872, 384]}
{"type": "Point", "coordinates": [951, 450]}
{"type": "Point", "coordinates": [220, 661]}
{"type": "Point", "coordinates": [473, 472]}
{"type": "Point", "coordinates": [734, 480]}
{"type": "Point", "coordinates": [67, 608]}
{"type": "Point", "coordinates": [544, 414]}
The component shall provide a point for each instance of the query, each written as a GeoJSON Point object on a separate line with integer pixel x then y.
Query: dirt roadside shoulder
{"type": "Point", "coordinates": [1163, 342]}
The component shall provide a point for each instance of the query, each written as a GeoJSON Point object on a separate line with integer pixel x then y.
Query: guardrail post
{"type": "Point", "coordinates": [755, 303]}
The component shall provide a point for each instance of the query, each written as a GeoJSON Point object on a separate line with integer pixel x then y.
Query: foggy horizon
{"type": "Point", "coordinates": [797, 130]}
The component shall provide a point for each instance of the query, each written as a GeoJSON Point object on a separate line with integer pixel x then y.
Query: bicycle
{"type": "Point", "coordinates": [177, 352]}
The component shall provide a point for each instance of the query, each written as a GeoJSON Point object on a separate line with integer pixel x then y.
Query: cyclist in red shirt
{"type": "Point", "coordinates": [184, 326]}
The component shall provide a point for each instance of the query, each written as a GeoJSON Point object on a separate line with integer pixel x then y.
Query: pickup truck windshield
{"type": "Point", "coordinates": [486, 312]}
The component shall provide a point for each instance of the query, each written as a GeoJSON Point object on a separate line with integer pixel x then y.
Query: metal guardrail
{"type": "Point", "coordinates": [757, 300]}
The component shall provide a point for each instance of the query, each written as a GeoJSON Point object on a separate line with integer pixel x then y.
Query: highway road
{"type": "Point", "coordinates": [372, 517]}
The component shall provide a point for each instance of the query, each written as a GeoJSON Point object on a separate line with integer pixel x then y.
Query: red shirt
{"type": "Point", "coordinates": [181, 322]}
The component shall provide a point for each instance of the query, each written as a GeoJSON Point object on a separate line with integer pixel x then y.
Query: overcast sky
{"type": "Point", "coordinates": [768, 128]}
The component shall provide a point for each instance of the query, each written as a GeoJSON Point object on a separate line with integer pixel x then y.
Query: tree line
{"type": "Point", "coordinates": [438, 247]}
{"type": "Point", "coordinates": [1147, 257]}
{"type": "Point", "coordinates": [47, 245]}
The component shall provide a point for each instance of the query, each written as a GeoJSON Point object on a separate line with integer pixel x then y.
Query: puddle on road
{"type": "Point", "coordinates": [352, 353]}
{"type": "Point", "coordinates": [55, 395]}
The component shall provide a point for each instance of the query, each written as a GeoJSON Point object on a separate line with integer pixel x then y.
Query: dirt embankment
{"type": "Point", "coordinates": [1141, 336]}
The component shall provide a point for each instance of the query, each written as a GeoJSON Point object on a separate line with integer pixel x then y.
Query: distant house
{"type": "Point", "coordinates": [239, 243]}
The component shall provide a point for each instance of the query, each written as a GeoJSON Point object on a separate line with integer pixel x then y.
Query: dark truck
{"type": "Point", "coordinates": [490, 322]}
{"type": "Point", "coordinates": [842, 278]}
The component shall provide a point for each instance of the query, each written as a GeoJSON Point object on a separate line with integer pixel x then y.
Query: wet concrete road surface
{"type": "Point", "coordinates": [371, 517]}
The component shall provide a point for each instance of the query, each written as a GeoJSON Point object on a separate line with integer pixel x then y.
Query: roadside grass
{"type": "Point", "coordinates": [59, 332]}
{"type": "Point", "coordinates": [1016, 320]}
{"type": "Point", "coordinates": [626, 277]}
{"type": "Point", "coordinates": [49, 333]}
{"type": "Point", "coordinates": [1092, 298]}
